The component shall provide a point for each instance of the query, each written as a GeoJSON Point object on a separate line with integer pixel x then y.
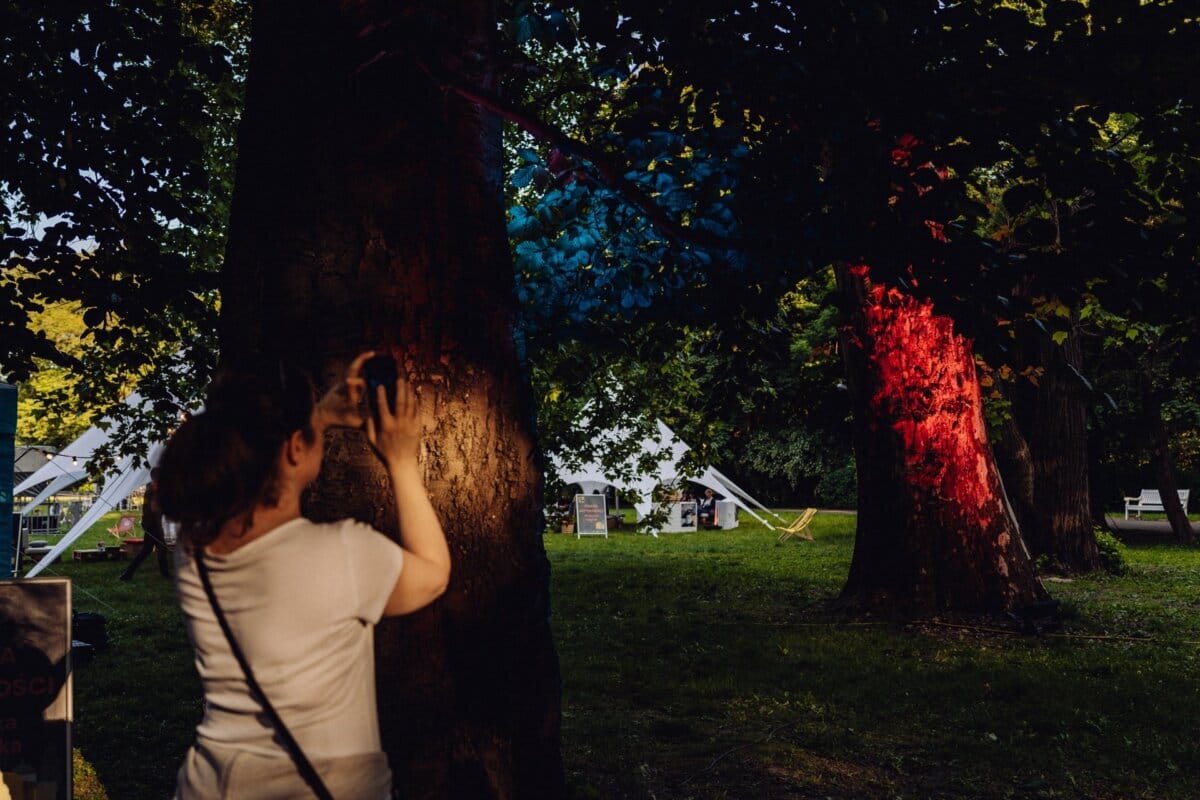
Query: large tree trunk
{"type": "Point", "coordinates": [1164, 469]}
{"type": "Point", "coordinates": [1014, 459]}
{"type": "Point", "coordinates": [368, 213]}
{"type": "Point", "coordinates": [934, 528]}
{"type": "Point", "coordinates": [1058, 442]}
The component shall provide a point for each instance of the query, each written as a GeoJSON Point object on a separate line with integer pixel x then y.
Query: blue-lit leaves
{"type": "Point", "coordinates": [524, 176]}
{"type": "Point", "coordinates": [580, 239]}
{"type": "Point", "coordinates": [522, 226]}
{"type": "Point", "coordinates": [588, 253]}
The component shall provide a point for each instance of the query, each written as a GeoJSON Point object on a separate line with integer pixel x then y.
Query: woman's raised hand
{"type": "Point", "coordinates": [342, 404]}
{"type": "Point", "coordinates": [396, 435]}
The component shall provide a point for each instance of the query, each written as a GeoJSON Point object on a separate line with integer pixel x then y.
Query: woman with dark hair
{"type": "Point", "coordinates": [281, 610]}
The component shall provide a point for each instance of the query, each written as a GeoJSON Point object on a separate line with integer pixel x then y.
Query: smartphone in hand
{"type": "Point", "coordinates": [380, 371]}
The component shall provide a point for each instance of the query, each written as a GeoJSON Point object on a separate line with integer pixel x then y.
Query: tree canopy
{"type": "Point", "coordinates": [115, 175]}
{"type": "Point", "coordinates": [676, 165]}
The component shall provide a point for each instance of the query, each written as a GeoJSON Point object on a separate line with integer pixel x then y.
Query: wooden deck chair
{"type": "Point", "coordinates": [124, 525]}
{"type": "Point", "coordinates": [799, 526]}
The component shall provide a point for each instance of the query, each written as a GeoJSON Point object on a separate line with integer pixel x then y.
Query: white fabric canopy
{"type": "Point", "coordinates": [70, 467]}
{"type": "Point", "coordinates": [670, 450]}
{"type": "Point", "coordinates": [730, 488]}
{"type": "Point", "coordinates": [80, 450]}
{"type": "Point", "coordinates": [131, 474]}
{"type": "Point", "coordinates": [52, 488]}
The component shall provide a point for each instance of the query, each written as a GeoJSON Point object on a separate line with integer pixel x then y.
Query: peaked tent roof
{"type": "Point", "coordinates": [130, 474]}
{"type": "Point", "coordinates": [670, 450]}
{"type": "Point", "coordinates": [70, 466]}
{"type": "Point", "coordinates": [79, 450]}
{"type": "Point", "coordinates": [52, 488]}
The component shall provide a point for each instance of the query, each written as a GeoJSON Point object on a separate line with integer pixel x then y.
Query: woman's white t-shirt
{"type": "Point", "coordinates": [302, 602]}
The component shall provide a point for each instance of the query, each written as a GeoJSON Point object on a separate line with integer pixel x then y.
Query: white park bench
{"type": "Point", "coordinates": [1150, 500]}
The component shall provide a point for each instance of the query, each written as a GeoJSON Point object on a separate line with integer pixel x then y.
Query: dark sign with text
{"type": "Point", "coordinates": [35, 689]}
{"type": "Point", "coordinates": [591, 515]}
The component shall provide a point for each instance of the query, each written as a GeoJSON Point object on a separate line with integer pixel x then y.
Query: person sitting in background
{"type": "Point", "coordinates": [707, 509]}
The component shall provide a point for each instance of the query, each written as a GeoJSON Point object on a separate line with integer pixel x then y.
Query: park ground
{"type": "Point", "coordinates": [711, 665]}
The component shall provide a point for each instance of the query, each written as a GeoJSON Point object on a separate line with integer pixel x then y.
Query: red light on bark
{"type": "Point", "coordinates": [927, 391]}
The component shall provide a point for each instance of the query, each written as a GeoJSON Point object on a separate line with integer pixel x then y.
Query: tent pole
{"type": "Point", "coordinates": [757, 517]}
{"type": "Point", "coordinates": [725, 479]}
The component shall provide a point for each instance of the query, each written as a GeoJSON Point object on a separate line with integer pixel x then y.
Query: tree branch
{"type": "Point", "coordinates": [529, 121]}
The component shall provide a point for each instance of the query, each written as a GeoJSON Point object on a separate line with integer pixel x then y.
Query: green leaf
{"type": "Point", "coordinates": [1059, 336]}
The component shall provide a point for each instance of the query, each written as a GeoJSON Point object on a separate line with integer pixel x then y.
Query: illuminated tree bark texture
{"type": "Point", "coordinates": [934, 528]}
{"type": "Point", "coordinates": [367, 213]}
{"type": "Point", "coordinates": [1058, 444]}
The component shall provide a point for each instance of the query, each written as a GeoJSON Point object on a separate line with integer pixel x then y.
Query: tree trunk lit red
{"type": "Point", "coordinates": [368, 214]}
{"type": "Point", "coordinates": [934, 528]}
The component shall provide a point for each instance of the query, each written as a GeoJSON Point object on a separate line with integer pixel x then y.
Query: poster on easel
{"type": "Point", "coordinates": [591, 515]}
{"type": "Point", "coordinates": [35, 688]}
{"type": "Point", "coordinates": [688, 515]}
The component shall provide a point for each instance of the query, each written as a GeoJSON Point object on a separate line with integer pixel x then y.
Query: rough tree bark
{"type": "Point", "coordinates": [934, 528]}
{"type": "Point", "coordinates": [1014, 459]}
{"type": "Point", "coordinates": [368, 213]}
{"type": "Point", "coordinates": [1058, 443]}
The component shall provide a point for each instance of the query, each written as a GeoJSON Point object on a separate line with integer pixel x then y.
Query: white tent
{"type": "Point", "coordinates": [69, 462]}
{"type": "Point", "coordinates": [668, 450]}
{"type": "Point", "coordinates": [130, 474]}
{"type": "Point", "coordinates": [52, 488]}
{"type": "Point", "coordinates": [70, 467]}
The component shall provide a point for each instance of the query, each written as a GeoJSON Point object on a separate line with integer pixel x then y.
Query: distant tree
{"type": "Point", "coordinates": [46, 413]}
{"type": "Point", "coordinates": [745, 145]}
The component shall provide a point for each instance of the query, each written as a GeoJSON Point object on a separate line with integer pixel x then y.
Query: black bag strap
{"type": "Point", "coordinates": [307, 771]}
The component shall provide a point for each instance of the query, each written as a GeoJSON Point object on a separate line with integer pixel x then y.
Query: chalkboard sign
{"type": "Point", "coordinates": [35, 688]}
{"type": "Point", "coordinates": [591, 515]}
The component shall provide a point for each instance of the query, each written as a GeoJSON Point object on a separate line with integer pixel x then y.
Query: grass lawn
{"type": "Point", "coordinates": [706, 665]}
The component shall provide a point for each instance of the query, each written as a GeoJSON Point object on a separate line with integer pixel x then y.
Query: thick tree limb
{"type": "Point", "coordinates": [611, 174]}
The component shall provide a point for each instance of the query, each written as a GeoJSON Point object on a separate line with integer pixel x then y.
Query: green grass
{"type": "Point", "coordinates": [1149, 516]}
{"type": "Point", "coordinates": [707, 665]}
{"type": "Point", "coordinates": [97, 533]}
{"type": "Point", "coordinates": [138, 702]}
